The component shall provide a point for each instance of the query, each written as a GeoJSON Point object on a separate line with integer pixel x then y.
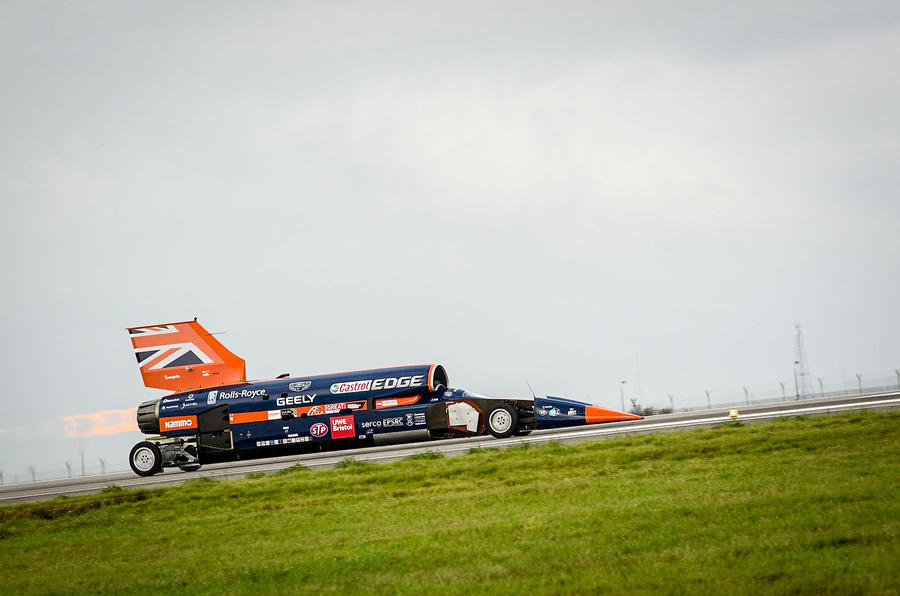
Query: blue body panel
{"type": "Point", "coordinates": [556, 412]}
{"type": "Point", "coordinates": [314, 408]}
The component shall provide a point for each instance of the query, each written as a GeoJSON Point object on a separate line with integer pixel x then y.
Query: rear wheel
{"type": "Point", "coordinates": [145, 459]}
{"type": "Point", "coordinates": [502, 421]}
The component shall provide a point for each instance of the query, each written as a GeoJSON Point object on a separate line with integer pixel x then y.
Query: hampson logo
{"type": "Point", "coordinates": [179, 423]}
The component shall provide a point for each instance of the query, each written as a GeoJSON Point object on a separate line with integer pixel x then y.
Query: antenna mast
{"type": "Point", "coordinates": [800, 363]}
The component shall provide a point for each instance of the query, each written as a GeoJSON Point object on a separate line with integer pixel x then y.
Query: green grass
{"type": "Point", "coordinates": [794, 506]}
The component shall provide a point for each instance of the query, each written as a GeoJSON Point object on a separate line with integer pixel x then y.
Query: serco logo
{"type": "Point", "coordinates": [318, 430]}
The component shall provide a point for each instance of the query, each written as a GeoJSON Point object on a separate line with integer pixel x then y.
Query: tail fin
{"type": "Point", "coordinates": [184, 356]}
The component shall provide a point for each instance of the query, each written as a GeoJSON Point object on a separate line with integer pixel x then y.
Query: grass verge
{"type": "Point", "coordinates": [805, 506]}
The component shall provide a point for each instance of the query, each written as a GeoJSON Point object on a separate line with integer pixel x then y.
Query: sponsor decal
{"type": "Point", "coordinates": [387, 403]}
{"type": "Point", "coordinates": [235, 394]}
{"type": "Point", "coordinates": [379, 384]}
{"type": "Point", "coordinates": [327, 409]}
{"type": "Point", "coordinates": [211, 398]}
{"type": "Point", "coordinates": [171, 377]}
{"type": "Point", "coordinates": [397, 382]}
{"type": "Point", "coordinates": [285, 441]}
{"type": "Point", "coordinates": [274, 414]}
{"type": "Point", "coordinates": [299, 386]}
{"type": "Point", "coordinates": [189, 397]}
{"type": "Point", "coordinates": [398, 421]}
{"type": "Point", "coordinates": [410, 421]}
{"type": "Point", "coordinates": [318, 430]}
{"type": "Point", "coordinates": [177, 423]}
{"type": "Point", "coordinates": [573, 412]}
{"type": "Point", "coordinates": [370, 424]}
{"type": "Point", "coordinates": [295, 400]}
{"type": "Point", "coordinates": [205, 373]}
{"type": "Point", "coordinates": [351, 387]}
{"type": "Point", "coordinates": [171, 407]}
{"type": "Point", "coordinates": [342, 427]}
{"type": "Point", "coordinates": [168, 400]}
{"type": "Point", "coordinates": [419, 419]}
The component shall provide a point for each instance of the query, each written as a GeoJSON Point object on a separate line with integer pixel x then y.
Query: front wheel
{"type": "Point", "coordinates": [145, 459]}
{"type": "Point", "coordinates": [502, 421]}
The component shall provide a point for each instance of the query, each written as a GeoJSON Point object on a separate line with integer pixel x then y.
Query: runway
{"type": "Point", "coordinates": [37, 491]}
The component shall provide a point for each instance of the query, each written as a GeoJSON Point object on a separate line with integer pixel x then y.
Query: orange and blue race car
{"type": "Point", "coordinates": [214, 414]}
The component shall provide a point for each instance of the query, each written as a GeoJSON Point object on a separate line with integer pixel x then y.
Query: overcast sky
{"type": "Point", "coordinates": [571, 194]}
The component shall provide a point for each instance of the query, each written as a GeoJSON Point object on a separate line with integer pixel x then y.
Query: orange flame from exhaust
{"type": "Point", "coordinates": [110, 422]}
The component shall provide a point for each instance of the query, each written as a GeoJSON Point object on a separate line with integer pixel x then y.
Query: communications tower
{"type": "Point", "coordinates": [800, 372]}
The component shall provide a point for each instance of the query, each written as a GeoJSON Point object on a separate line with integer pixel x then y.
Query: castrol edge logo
{"type": "Point", "coordinates": [177, 423]}
{"type": "Point", "coordinates": [351, 387]}
{"type": "Point", "coordinates": [378, 384]}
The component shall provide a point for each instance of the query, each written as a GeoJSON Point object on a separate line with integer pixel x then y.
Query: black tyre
{"type": "Point", "coordinates": [502, 421]}
{"type": "Point", "coordinates": [145, 459]}
{"type": "Point", "coordinates": [191, 467]}
{"type": "Point", "coordinates": [523, 433]}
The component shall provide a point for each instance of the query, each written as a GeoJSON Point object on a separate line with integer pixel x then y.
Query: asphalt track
{"type": "Point", "coordinates": [38, 491]}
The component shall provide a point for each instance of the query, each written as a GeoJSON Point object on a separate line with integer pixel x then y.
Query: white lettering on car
{"type": "Point", "coordinates": [295, 400]}
{"type": "Point", "coordinates": [379, 384]}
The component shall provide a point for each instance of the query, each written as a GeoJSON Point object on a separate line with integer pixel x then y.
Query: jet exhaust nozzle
{"type": "Point", "coordinates": [148, 417]}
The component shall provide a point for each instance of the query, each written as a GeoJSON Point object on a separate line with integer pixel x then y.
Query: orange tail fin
{"type": "Point", "coordinates": [184, 356]}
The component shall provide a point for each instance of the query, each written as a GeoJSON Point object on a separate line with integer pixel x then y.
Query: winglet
{"type": "Point", "coordinates": [184, 356]}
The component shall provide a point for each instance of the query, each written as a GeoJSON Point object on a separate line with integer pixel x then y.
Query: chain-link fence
{"type": "Point", "coordinates": [776, 391]}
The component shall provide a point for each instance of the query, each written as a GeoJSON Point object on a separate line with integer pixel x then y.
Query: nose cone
{"type": "Point", "coordinates": [596, 414]}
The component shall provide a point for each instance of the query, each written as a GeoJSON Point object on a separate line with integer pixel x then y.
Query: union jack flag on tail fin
{"type": "Point", "coordinates": [184, 356]}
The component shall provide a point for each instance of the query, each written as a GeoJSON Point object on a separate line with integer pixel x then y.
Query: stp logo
{"type": "Point", "coordinates": [318, 430]}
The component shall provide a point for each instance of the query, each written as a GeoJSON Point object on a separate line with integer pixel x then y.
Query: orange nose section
{"type": "Point", "coordinates": [595, 414]}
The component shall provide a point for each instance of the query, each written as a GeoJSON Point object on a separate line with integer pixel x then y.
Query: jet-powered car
{"type": "Point", "coordinates": [216, 415]}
